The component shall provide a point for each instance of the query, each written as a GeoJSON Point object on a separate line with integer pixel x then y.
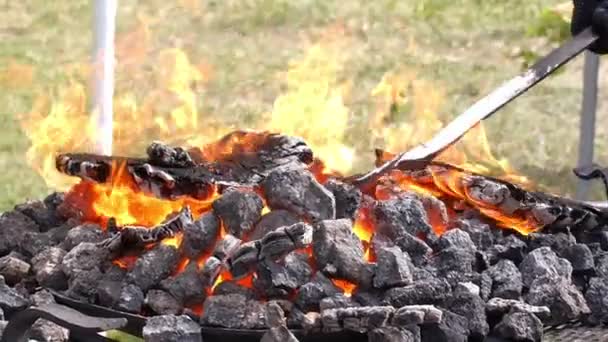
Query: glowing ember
{"type": "Point", "coordinates": [347, 287]}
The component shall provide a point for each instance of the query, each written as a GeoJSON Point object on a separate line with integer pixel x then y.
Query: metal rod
{"type": "Point", "coordinates": [103, 83]}
{"type": "Point", "coordinates": [589, 107]}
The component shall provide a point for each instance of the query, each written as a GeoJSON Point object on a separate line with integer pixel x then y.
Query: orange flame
{"type": "Point", "coordinates": [347, 287]}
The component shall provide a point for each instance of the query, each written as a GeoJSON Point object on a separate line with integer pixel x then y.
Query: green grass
{"type": "Point", "coordinates": [465, 47]}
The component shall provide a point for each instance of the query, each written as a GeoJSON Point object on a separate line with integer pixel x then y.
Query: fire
{"type": "Point", "coordinates": [347, 287]}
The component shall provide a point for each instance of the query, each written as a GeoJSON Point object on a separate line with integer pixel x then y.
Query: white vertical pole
{"type": "Point", "coordinates": [103, 83]}
{"type": "Point", "coordinates": [587, 132]}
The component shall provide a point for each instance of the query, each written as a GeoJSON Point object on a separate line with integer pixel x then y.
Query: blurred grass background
{"type": "Point", "coordinates": [466, 47]}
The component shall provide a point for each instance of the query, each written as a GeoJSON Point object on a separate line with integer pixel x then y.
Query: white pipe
{"type": "Point", "coordinates": [103, 83]}
{"type": "Point", "coordinates": [589, 108]}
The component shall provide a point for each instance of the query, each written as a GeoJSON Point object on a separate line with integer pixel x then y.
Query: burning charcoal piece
{"type": "Point", "coordinates": [239, 210]}
{"type": "Point", "coordinates": [400, 216]}
{"type": "Point", "coordinates": [563, 299]}
{"type": "Point", "coordinates": [162, 303]}
{"type": "Point", "coordinates": [393, 268]}
{"type": "Point", "coordinates": [233, 311]}
{"type": "Point", "coordinates": [186, 287]}
{"type": "Point", "coordinates": [200, 236]}
{"type": "Point", "coordinates": [87, 232]}
{"type": "Point", "coordinates": [160, 154]}
{"type": "Point", "coordinates": [498, 307]}
{"type": "Point", "coordinates": [271, 221]}
{"type": "Point", "coordinates": [511, 248]}
{"type": "Point", "coordinates": [153, 266]}
{"type": "Point", "coordinates": [480, 233]}
{"type": "Point", "coordinates": [416, 315]}
{"type": "Point", "coordinates": [297, 265]}
{"type": "Point", "coordinates": [451, 328]}
{"type": "Point", "coordinates": [520, 326]}
{"type": "Point", "coordinates": [580, 257]}
{"type": "Point", "coordinates": [299, 192]}
{"type": "Point", "coordinates": [46, 331]}
{"type": "Point", "coordinates": [274, 280]}
{"type": "Point", "coordinates": [83, 286]}
{"type": "Point", "coordinates": [109, 292]}
{"type": "Point", "coordinates": [558, 242]}
{"type": "Point", "coordinates": [13, 269]}
{"type": "Point", "coordinates": [597, 298]}
{"type": "Point", "coordinates": [231, 287]}
{"type": "Point", "coordinates": [392, 334]}
{"type": "Point", "coordinates": [245, 259]}
{"type": "Point", "coordinates": [46, 266]}
{"type": "Point", "coordinates": [83, 257]}
{"type": "Point", "coordinates": [131, 299]}
{"type": "Point", "coordinates": [278, 334]}
{"type": "Point", "coordinates": [10, 300]}
{"type": "Point", "coordinates": [506, 280]}
{"type": "Point", "coordinates": [544, 262]}
{"type": "Point", "coordinates": [300, 234]}
{"type": "Point", "coordinates": [601, 266]}
{"type": "Point", "coordinates": [13, 227]}
{"type": "Point", "coordinates": [456, 238]}
{"type": "Point", "coordinates": [210, 271]}
{"type": "Point", "coordinates": [348, 198]}
{"type": "Point", "coordinates": [275, 316]}
{"type": "Point", "coordinates": [226, 247]}
{"type": "Point", "coordinates": [171, 328]}
{"type": "Point", "coordinates": [368, 297]}
{"type": "Point", "coordinates": [45, 215]}
{"type": "Point", "coordinates": [456, 265]}
{"type": "Point", "coordinates": [423, 292]}
{"type": "Point", "coordinates": [337, 250]}
{"type": "Point", "coordinates": [286, 239]}
{"type": "Point", "coordinates": [310, 294]}
{"type": "Point", "coordinates": [33, 242]}
{"type": "Point", "coordinates": [417, 249]}
{"type": "Point", "coordinates": [468, 287]}
{"type": "Point", "coordinates": [472, 307]}
{"type": "Point", "coordinates": [41, 297]}
{"type": "Point", "coordinates": [358, 319]}
{"type": "Point", "coordinates": [336, 302]}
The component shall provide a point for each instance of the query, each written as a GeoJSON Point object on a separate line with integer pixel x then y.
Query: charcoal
{"type": "Point", "coordinates": [42, 297]}
{"type": "Point", "coordinates": [472, 307]}
{"type": "Point", "coordinates": [286, 239]}
{"type": "Point", "coordinates": [468, 287]}
{"type": "Point", "coordinates": [480, 233]}
{"type": "Point", "coordinates": [200, 235]}
{"type": "Point", "coordinates": [162, 303]}
{"type": "Point", "coordinates": [500, 306]}
{"type": "Point", "coordinates": [506, 280]}
{"type": "Point", "coordinates": [393, 268]}
{"type": "Point", "coordinates": [46, 265]}
{"type": "Point", "coordinates": [520, 326]}
{"type": "Point", "coordinates": [544, 262]}
{"type": "Point", "coordinates": [114, 272]}
{"type": "Point", "coordinates": [3, 325]}
{"type": "Point", "coordinates": [400, 216]}
{"type": "Point", "coordinates": [83, 285]}
{"type": "Point", "coordinates": [245, 259]}
{"type": "Point", "coordinates": [455, 264]}
{"type": "Point", "coordinates": [271, 221]}
{"type": "Point", "coordinates": [13, 227]}
{"type": "Point", "coordinates": [233, 311]}
{"type": "Point", "coordinates": [34, 243]}
{"type": "Point", "coordinates": [278, 334]}
{"type": "Point", "coordinates": [13, 269]}
{"type": "Point", "coordinates": [601, 266]}
{"type": "Point", "coordinates": [416, 315]}
{"type": "Point", "coordinates": [46, 331]}
{"type": "Point", "coordinates": [392, 334]}
{"type": "Point", "coordinates": [83, 257]}
{"type": "Point", "coordinates": [563, 299]}
{"type": "Point", "coordinates": [436, 210]}
{"type": "Point", "coordinates": [348, 198]}
{"type": "Point", "coordinates": [310, 294]}
{"type": "Point", "coordinates": [511, 248]}
{"type": "Point", "coordinates": [131, 299]}
{"type": "Point", "coordinates": [423, 292]}
{"type": "Point", "coordinates": [109, 292]}
{"type": "Point", "coordinates": [171, 328]}
{"type": "Point", "coordinates": [451, 328]}
{"type": "Point", "coordinates": [456, 238]}
{"type": "Point", "coordinates": [298, 266]}
{"type": "Point", "coordinates": [337, 301]}
{"type": "Point", "coordinates": [597, 298]}
{"type": "Point", "coordinates": [160, 154]}
{"type": "Point", "coordinates": [274, 280]}
{"type": "Point", "coordinates": [11, 301]}
{"type": "Point", "coordinates": [186, 287]}
{"type": "Point", "coordinates": [358, 319]}
{"type": "Point", "coordinates": [310, 321]}
{"type": "Point", "coordinates": [153, 266]}
{"type": "Point", "coordinates": [231, 287]}
{"type": "Point", "coordinates": [299, 192]}
{"type": "Point", "coordinates": [337, 250]}
{"type": "Point", "coordinates": [44, 215]}
{"type": "Point", "coordinates": [88, 232]}
{"type": "Point", "coordinates": [417, 249]}
{"type": "Point", "coordinates": [558, 242]}
{"type": "Point", "coordinates": [368, 297]}
{"type": "Point", "coordinates": [239, 210]}
{"type": "Point", "coordinates": [226, 247]}
{"type": "Point", "coordinates": [210, 271]}
{"type": "Point", "coordinates": [580, 257]}
{"type": "Point", "coordinates": [275, 316]}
